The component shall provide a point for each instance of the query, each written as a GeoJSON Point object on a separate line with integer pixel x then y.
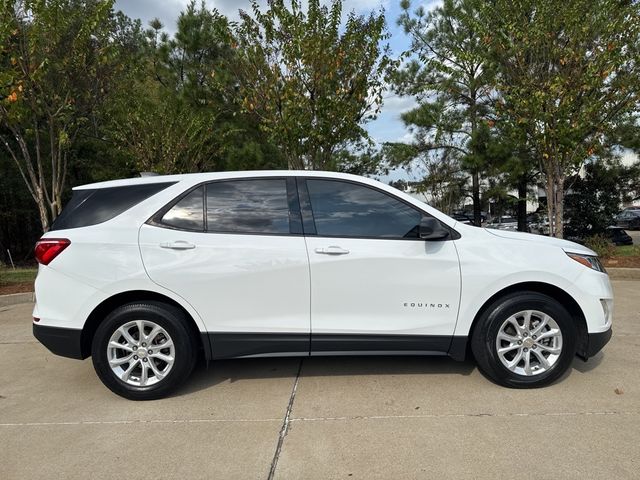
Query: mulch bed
{"type": "Point", "coordinates": [624, 262]}
{"type": "Point", "coordinates": [16, 288]}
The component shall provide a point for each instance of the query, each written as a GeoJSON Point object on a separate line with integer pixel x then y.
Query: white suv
{"type": "Point", "coordinates": [144, 274]}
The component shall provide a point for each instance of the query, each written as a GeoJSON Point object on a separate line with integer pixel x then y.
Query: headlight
{"type": "Point", "coordinates": [588, 261]}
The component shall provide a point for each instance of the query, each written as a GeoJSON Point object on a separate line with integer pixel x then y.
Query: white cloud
{"type": "Point", "coordinates": [408, 137]}
{"type": "Point", "coordinates": [395, 104]}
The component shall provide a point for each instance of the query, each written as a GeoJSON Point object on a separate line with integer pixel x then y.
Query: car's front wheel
{"type": "Point", "coordinates": [525, 340]}
{"type": "Point", "coordinates": [143, 351]}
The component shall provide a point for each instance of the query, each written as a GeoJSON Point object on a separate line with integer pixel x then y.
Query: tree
{"type": "Point", "coordinates": [513, 167]}
{"type": "Point", "coordinates": [181, 111]}
{"type": "Point", "coordinates": [444, 183]}
{"type": "Point", "coordinates": [449, 78]}
{"type": "Point", "coordinates": [595, 196]}
{"type": "Point", "coordinates": [310, 81]}
{"type": "Point", "coordinates": [56, 58]}
{"type": "Point", "coordinates": [566, 73]}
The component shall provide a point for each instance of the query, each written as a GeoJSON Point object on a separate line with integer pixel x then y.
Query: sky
{"type": "Point", "coordinates": [388, 127]}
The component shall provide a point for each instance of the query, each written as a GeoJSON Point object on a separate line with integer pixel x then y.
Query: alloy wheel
{"type": "Point", "coordinates": [141, 353]}
{"type": "Point", "coordinates": [529, 343]}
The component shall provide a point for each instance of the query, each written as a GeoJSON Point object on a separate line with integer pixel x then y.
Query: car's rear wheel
{"type": "Point", "coordinates": [143, 351]}
{"type": "Point", "coordinates": [525, 340]}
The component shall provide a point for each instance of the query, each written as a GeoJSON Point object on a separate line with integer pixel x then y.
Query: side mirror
{"type": "Point", "coordinates": [431, 229]}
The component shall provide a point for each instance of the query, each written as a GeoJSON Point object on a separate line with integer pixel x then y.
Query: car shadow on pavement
{"type": "Point", "coordinates": [220, 371]}
{"type": "Point", "coordinates": [584, 367]}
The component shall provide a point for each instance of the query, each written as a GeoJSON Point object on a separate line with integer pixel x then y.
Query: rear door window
{"type": "Point", "coordinates": [187, 213]}
{"type": "Point", "coordinates": [254, 206]}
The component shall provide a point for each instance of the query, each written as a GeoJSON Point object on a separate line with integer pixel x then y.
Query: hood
{"type": "Point", "coordinates": [566, 245]}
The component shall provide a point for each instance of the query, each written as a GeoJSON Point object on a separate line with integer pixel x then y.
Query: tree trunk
{"type": "Point", "coordinates": [522, 204]}
{"type": "Point", "coordinates": [294, 162]}
{"type": "Point", "coordinates": [42, 210]}
{"type": "Point", "coordinates": [555, 200]}
{"type": "Point", "coordinates": [550, 190]}
{"type": "Point", "coordinates": [559, 218]}
{"type": "Point", "coordinates": [477, 210]}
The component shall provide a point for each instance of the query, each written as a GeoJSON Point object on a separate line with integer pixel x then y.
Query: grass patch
{"type": "Point", "coordinates": [627, 251]}
{"type": "Point", "coordinates": [9, 276]}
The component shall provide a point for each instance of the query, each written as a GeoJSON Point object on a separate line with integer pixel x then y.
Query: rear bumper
{"type": "Point", "coordinates": [65, 342]}
{"type": "Point", "coordinates": [596, 342]}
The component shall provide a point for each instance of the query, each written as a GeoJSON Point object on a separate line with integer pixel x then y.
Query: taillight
{"type": "Point", "coordinates": [49, 248]}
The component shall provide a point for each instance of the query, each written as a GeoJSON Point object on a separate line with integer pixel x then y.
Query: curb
{"type": "Point", "coordinates": [620, 273]}
{"type": "Point", "coordinates": [16, 298]}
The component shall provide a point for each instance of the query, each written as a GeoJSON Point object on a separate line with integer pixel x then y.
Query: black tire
{"type": "Point", "coordinates": [173, 321]}
{"type": "Point", "coordinates": [483, 340]}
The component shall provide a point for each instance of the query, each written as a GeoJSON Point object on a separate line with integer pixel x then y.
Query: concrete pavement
{"type": "Point", "coordinates": [324, 418]}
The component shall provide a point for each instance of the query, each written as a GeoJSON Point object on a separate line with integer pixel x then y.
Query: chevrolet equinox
{"type": "Point", "coordinates": [145, 274]}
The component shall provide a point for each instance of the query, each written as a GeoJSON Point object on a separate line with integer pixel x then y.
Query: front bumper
{"type": "Point", "coordinates": [595, 343]}
{"type": "Point", "coordinates": [66, 342]}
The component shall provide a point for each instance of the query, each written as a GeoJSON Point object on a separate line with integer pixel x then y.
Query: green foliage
{"type": "Point", "coordinates": [596, 196]}
{"type": "Point", "coordinates": [180, 113]}
{"type": "Point", "coordinates": [58, 62]}
{"type": "Point", "coordinates": [366, 161]}
{"type": "Point", "coordinates": [448, 75]}
{"type": "Point", "coordinates": [567, 73]}
{"type": "Point", "coordinates": [87, 94]}
{"type": "Point", "coordinates": [505, 90]}
{"type": "Point", "coordinates": [310, 81]}
{"type": "Point", "coordinates": [600, 244]}
{"type": "Point", "coordinates": [19, 224]}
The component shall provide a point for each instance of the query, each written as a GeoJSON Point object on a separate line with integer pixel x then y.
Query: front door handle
{"type": "Point", "coordinates": [332, 250]}
{"type": "Point", "coordinates": [178, 245]}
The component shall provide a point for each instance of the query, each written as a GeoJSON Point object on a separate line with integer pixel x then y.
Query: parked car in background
{"type": "Point", "coordinates": [462, 218]}
{"type": "Point", "coordinates": [469, 215]}
{"type": "Point", "coordinates": [631, 208]}
{"type": "Point", "coordinates": [538, 224]}
{"type": "Point", "coordinates": [504, 223]}
{"type": "Point", "coordinates": [146, 274]}
{"type": "Point", "coordinates": [618, 236]}
{"type": "Point", "coordinates": [628, 218]}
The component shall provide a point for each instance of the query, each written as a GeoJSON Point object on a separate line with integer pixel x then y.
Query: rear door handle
{"type": "Point", "coordinates": [178, 245]}
{"type": "Point", "coordinates": [332, 250]}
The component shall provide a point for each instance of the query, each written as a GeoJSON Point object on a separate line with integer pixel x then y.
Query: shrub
{"type": "Point", "coordinates": [601, 245]}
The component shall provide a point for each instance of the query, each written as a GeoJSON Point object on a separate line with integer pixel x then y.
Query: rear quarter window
{"type": "Point", "coordinates": [91, 207]}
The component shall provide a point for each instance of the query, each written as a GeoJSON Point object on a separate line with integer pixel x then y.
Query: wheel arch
{"type": "Point", "coordinates": [460, 347]}
{"type": "Point", "coordinates": [98, 314]}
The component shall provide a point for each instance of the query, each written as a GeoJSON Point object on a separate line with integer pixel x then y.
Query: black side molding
{"type": "Point", "coordinates": [65, 342]}
{"type": "Point", "coordinates": [327, 343]}
{"type": "Point", "coordinates": [234, 345]}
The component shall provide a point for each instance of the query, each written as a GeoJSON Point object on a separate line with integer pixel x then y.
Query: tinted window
{"type": "Point", "coordinates": [187, 213]}
{"type": "Point", "coordinates": [248, 206]}
{"type": "Point", "coordinates": [347, 209]}
{"type": "Point", "coordinates": [90, 207]}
